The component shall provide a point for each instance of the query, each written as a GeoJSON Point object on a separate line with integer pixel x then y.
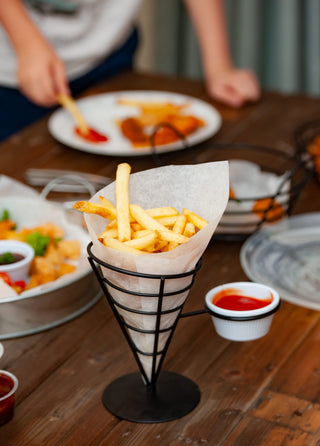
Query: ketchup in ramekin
{"type": "Point", "coordinates": [8, 387]}
{"type": "Point", "coordinates": [232, 299]}
{"type": "Point", "coordinates": [242, 311]}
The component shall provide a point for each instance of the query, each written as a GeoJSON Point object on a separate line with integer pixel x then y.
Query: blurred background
{"type": "Point", "coordinates": [278, 39]}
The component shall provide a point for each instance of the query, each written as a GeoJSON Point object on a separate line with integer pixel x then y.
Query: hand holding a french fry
{"type": "Point", "coordinates": [136, 230]}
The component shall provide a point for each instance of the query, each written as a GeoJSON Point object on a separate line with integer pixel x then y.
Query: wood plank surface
{"type": "Point", "coordinates": [258, 393]}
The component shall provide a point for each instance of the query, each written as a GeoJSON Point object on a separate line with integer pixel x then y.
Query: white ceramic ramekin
{"type": "Point", "coordinates": [243, 325]}
{"type": "Point", "coordinates": [18, 270]}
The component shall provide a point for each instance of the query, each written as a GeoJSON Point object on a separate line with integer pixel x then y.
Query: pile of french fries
{"type": "Point", "coordinates": [138, 231]}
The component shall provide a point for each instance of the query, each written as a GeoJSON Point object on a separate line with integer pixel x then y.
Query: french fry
{"type": "Point", "coordinates": [161, 246]}
{"type": "Point", "coordinates": [112, 224]}
{"type": "Point", "coordinates": [67, 102]}
{"type": "Point", "coordinates": [189, 230]}
{"type": "Point", "coordinates": [116, 244]}
{"type": "Point", "coordinates": [108, 205]}
{"type": "Point", "coordinates": [178, 228]}
{"type": "Point", "coordinates": [144, 241]}
{"type": "Point", "coordinates": [136, 227]}
{"type": "Point", "coordinates": [147, 222]}
{"type": "Point", "coordinates": [111, 233]}
{"type": "Point", "coordinates": [150, 223]}
{"type": "Point", "coordinates": [198, 221]}
{"type": "Point", "coordinates": [122, 201]}
{"type": "Point", "coordinates": [167, 221]}
{"type": "Point", "coordinates": [93, 208]}
{"type": "Point", "coordinates": [142, 233]}
{"type": "Point", "coordinates": [149, 249]}
{"type": "Point", "coordinates": [167, 211]}
{"type": "Point", "coordinates": [170, 236]}
{"type": "Point", "coordinates": [180, 224]}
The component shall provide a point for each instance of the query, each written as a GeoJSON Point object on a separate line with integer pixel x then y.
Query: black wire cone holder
{"type": "Point", "coordinates": [143, 397]}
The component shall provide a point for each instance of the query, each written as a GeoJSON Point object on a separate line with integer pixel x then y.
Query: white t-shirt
{"type": "Point", "coordinates": [81, 39]}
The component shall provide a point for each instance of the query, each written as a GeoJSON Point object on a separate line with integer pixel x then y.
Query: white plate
{"type": "Point", "coordinates": [103, 111]}
{"type": "Point", "coordinates": [286, 256]}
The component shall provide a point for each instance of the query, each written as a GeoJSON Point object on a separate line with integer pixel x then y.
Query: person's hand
{"type": "Point", "coordinates": [234, 87]}
{"type": "Point", "coordinates": [41, 73]}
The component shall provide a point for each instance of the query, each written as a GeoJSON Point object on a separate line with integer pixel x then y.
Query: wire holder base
{"type": "Point", "coordinates": [173, 397]}
{"type": "Point", "coordinates": [157, 396]}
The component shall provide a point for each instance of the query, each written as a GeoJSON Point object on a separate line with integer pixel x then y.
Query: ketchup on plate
{"type": "Point", "coordinates": [92, 135]}
{"type": "Point", "coordinates": [231, 299]}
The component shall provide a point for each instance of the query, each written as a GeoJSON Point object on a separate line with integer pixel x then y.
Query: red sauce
{"type": "Point", "coordinates": [92, 136]}
{"type": "Point", "coordinates": [7, 404]}
{"type": "Point", "coordinates": [231, 299]}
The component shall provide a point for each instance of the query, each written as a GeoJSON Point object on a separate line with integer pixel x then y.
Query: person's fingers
{"type": "Point", "coordinates": [232, 97]}
{"type": "Point", "coordinates": [247, 85]}
{"type": "Point", "coordinates": [33, 85]}
{"type": "Point", "coordinates": [61, 84]}
{"type": "Point", "coordinates": [40, 92]}
{"type": "Point", "coordinates": [48, 93]}
{"type": "Point", "coordinates": [42, 80]}
{"type": "Point", "coordinates": [234, 87]}
{"type": "Point", "coordinates": [228, 95]}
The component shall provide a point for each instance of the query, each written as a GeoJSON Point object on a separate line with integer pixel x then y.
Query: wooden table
{"type": "Point", "coordinates": [264, 392]}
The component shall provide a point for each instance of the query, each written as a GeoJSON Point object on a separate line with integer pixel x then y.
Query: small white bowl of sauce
{"type": "Point", "coordinates": [15, 259]}
{"type": "Point", "coordinates": [8, 386]}
{"type": "Point", "coordinates": [242, 311]}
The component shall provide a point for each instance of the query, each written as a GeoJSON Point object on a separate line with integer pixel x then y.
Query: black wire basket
{"type": "Point", "coordinates": [307, 140]}
{"type": "Point", "coordinates": [150, 395]}
{"type": "Point", "coordinates": [246, 214]}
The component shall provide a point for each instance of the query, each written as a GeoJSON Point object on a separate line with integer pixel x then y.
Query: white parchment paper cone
{"type": "Point", "coordinates": [201, 188]}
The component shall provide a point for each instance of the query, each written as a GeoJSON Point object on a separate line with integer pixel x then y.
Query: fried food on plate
{"type": "Point", "coordinates": [314, 149]}
{"type": "Point", "coordinates": [54, 255]}
{"type": "Point", "coordinates": [268, 209]}
{"type": "Point", "coordinates": [172, 120]}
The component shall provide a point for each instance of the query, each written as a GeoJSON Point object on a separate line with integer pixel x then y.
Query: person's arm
{"type": "Point", "coordinates": [41, 73]}
{"type": "Point", "coordinates": [224, 82]}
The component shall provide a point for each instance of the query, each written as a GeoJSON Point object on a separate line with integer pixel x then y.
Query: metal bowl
{"type": "Point", "coordinates": [29, 315]}
{"type": "Point", "coordinates": [56, 302]}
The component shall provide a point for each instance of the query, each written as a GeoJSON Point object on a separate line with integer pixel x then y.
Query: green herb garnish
{"type": "Point", "coordinates": [5, 215]}
{"type": "Point", "coordinates": [6, 257]}
{"type": "Point", "coordinates": [38, 242]}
